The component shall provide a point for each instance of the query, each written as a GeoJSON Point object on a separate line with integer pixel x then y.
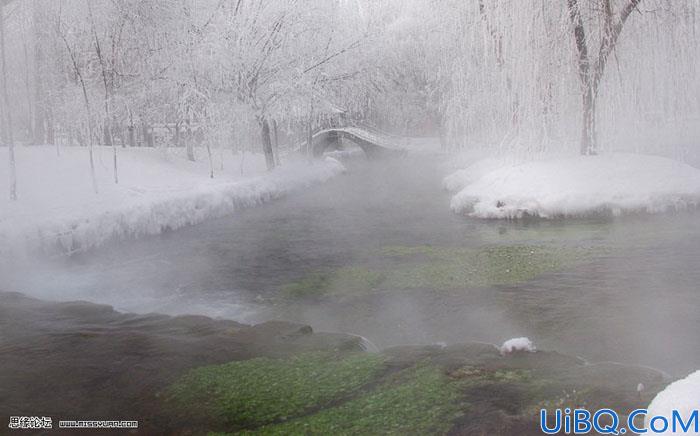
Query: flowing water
{"type": "Point", "coordinates": [378, 253]}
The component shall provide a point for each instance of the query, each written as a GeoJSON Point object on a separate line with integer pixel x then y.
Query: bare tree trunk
{"type": "Point", "coordinates": [7, 130]}
{"type": "Point", "coordinates": [188, 137]}
{"type": "Point", "coordinates": [109, 139]}
{"type": "Point", "coordinates": [221, 157]}
{"type": "Point", "coordinates": [90, 138]}
{"type": "Point", "coordinates": [30, 109]}
{"type": "Point", "coordinates": [497, 37]}
{"type": "Point", "coordinates": [589, 143]}
{"type": "Point", "coordinates": [86, 100]}
{"type": "Point", "coordinates": [591, 71]}
{"type": "Point", "coordinates": [114, 161]}
{"type": "Point", "coordinates": [267, 144]}
{"type": "Point", "coordinates": [106, 133]}
{"type": "Point", "coordinates": [50, 128]}
{"type": "Point", "coordinates": [276, 144]}
{"type": "Point", "coordinates": [132, 130]}
{"type": "Point", "coordinates": [120, 131]}
{"type": "Point", "coordinates": [211, 160]}
{"type": "Point", "coordinates": [207, 139]}
{"type": "Point", "coordinates": [309, 139]}
{"type": "Point", "coordinates": [150, 136]}
{"type": "Point", "coordinates": [146, 133]}
{"type": "Point", "coordinates": [39, 97]}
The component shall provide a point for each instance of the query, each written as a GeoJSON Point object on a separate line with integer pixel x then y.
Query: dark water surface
{"type": "Point", "coordinates": [634, 297]}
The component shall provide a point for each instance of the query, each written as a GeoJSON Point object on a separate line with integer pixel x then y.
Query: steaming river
{"type": "Point", "coordinates": [628, 290]}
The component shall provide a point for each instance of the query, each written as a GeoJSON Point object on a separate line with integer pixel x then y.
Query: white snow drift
{"type": "Point", "coordinates": [612, 183]}
{"type": "Point", "coordinates": [465, 177]}
{"type": "Point", "coordinates": [682, 396]}
{"type": "Point", "coordinates": [158, 190]}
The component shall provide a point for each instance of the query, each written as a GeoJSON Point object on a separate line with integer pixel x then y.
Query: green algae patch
{"type": "Point", "coordinates": [358, 278]}
{"type": "Point", "coordinates": [419, 400]}
{"type": "Point", "coordinates": [343, 280]}
{"type": "Point", "coordinates": [477, 374]}
{"type": "Point", "coordinates": [453, 268]}
{"type": "Point", "coordinates": [439, 268]}
{"type": "Point", "coordinates": [469, 389]}
{"type": "Point", "coordinates": [314, 284]}
{"type": "Point", "coordinates": [250, 393]}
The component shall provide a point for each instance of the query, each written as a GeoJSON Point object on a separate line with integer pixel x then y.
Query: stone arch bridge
{"type": "Point", "coordinates": [375, 145]}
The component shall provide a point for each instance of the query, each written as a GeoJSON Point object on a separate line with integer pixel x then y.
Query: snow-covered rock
{"type": "Point", "coordinates": [682, 396]}
{"type": "Point", "coordinates": [158, 190]}
{"type": "Point", "coordinates": [611, 183]}
{"type": "Point", "coordinates": [517, 344]}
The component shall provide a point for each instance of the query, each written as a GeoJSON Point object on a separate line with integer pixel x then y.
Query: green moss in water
{"type": "Point", "coordinates": [312, 285]}
{"type": "Point", "coordinates": [419, 250]}
{"type": "Point", "coordinates": [343, 280]}
{"type": "Point", "coordinates": [441, 268]}
{"type": "Point", "coordinates": [420, 400]}
{"type": "Point", "coordinates": [254, 392]}
{"type": "Point", "coordinates": [358, 278]}
{"type": "Point", "coordinates": [472, 374]}
{"type": "Point", "coordinates": [453, 268]}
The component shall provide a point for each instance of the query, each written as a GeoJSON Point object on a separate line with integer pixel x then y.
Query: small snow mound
{"type": "Point", "coordinates": [682, 396]}
{"type": "Point", "coordinates": [517, 344]}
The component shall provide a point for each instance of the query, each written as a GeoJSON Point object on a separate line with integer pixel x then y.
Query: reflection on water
{"type": "Point", "coordinates": [632, 296]}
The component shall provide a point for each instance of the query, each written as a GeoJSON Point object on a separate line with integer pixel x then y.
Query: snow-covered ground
{"type": "Point", "coordinates": [615, 183]}
{"type": "Point", "coordinates": [58, 210]}
{"type": "Point", "coordinates": [461, 178]}
{"type": "Point", "coordinates": [683, 397]}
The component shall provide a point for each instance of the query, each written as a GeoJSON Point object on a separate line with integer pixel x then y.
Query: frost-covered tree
{"type": "Point", "coordinates": [7, 130]}
{"type": "Point", "coordinates": [264, 75]}
{"type": "Point", "coordinates": [592, 59]}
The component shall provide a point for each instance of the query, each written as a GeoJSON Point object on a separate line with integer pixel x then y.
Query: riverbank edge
{"type": "Point", "coordinates": [609, 184]}
{"type": "Point", "coordinates": [138, 214]}
{"type": "Point", "coordinates": [78, 359]}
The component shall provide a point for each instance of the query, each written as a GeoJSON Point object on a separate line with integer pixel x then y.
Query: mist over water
{"type": "Point", "coordinates": [632, 299]}
{"type": "Point", "coordinates": [320, 216]}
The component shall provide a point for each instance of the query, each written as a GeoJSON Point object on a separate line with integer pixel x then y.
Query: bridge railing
{"type": "Point", "coordinates": [376, 138]}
